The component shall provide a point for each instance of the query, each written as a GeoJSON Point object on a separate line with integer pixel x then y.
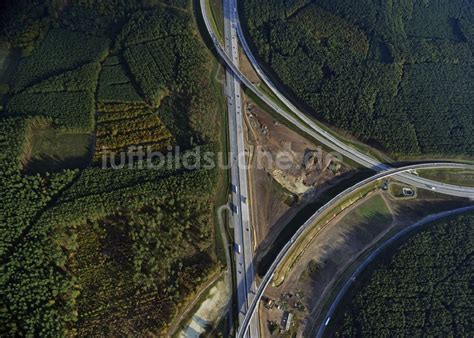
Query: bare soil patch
{"type": "Point", "coordinates": [286, 172]}
{"type": "Point", "coordinates": [247, 69]}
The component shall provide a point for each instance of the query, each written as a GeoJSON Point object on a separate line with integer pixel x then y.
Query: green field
{"type": "Point", "coordinates": [53, 150]}
{"type": "Point", "coordinates": [217, 13]}
{"type": "Point", "coordinates": [452, 176]}
{"type": "Point", "coordinates": [374, 208]}
{"type": "Point", "coordinates": [396, 190]}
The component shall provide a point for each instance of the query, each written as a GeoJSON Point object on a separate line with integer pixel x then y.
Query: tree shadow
{"type": "Point", "coordinates": [52, 163]}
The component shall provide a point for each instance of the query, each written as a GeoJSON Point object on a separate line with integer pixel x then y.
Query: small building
{"type": "Point", "coordinates": [408, 192]}
{"type": "Point", "coordinates": [268, 303]}
{"type": "Point", "coordinates": [286, 320]}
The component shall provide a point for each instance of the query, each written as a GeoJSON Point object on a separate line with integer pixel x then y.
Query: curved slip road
{"type": "Point", "coordinates": [302, 122]}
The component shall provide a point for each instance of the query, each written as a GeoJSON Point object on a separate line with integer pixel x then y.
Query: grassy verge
{"type": "Point", "coordinates": [370, 210]}
{"type": "Point", "coordinates": [217, 13]}
{"type": "Point", "coordinates": [434, 157]}
{"type": "Point", "coordinates": [450, 176]}
{"type": "Point", "coordinates": [216, 18]}
{"type": "Point", "coordinates": [268, 92]}
{"type": "Point", "coordinates": [324, 219]}
{"type": "Point", "coordinates": [52, 150]}
{"type": "Point", "coordinates": [396, 191]}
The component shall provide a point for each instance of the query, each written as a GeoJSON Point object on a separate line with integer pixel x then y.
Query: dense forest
{"type": "Point", "coordinates": [396, 74]}
{"type": "Point", "coordinates": [423, 289]}
{"type": "Point", "coordinates": [92, 250]}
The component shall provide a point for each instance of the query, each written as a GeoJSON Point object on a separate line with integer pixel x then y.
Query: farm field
{"type": "Point", "coordinates": [396, 77]}
{"type": "Point", "coordinates": [87, 249]}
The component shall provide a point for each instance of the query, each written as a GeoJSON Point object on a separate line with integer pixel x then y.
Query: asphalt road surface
{"type": "Point", "coordinates": [243, 248]}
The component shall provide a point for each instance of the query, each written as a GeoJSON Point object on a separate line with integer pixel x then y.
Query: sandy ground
{"type": "Point", "coordinates": [280, 191]}
{"type": "Point", "coordinates": [209, 312]}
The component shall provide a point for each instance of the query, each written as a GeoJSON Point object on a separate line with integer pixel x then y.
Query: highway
{"type": "Point", "coordinates": [305, 124]}
{"type": "Point", "coordinates": [243, 248]}
{"type": "Point", "coordinates": [373, 255]}
{"type": "Point", "coordinates": [308, 126]}
{"type": "Point", "coordinates": [307, 225]}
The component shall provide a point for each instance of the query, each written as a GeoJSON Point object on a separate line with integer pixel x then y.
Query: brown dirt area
{"type": "Point", "coordinates": [286, 171]}
{"type": "Point", "coordinates": [247, 69]}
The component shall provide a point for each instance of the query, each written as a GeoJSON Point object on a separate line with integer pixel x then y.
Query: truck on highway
{"type": "Point", "coordinates": [238, 248]}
